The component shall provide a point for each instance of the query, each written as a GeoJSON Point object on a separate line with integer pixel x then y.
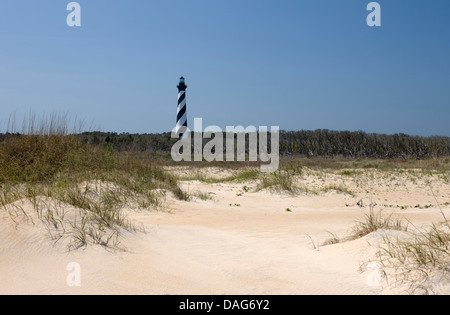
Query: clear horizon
{"type": "Point", "coordinates": [299, 65]}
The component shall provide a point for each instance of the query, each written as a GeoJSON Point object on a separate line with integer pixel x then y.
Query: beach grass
{"type": "Point", "coordinates": [48, 161]}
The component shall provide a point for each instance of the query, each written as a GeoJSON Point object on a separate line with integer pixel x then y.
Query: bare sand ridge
{"type": "Point", "coordinates": [237, 242]}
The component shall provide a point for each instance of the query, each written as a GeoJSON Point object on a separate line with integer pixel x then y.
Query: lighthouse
{"type": "Point", "coordinates": [181, 109]}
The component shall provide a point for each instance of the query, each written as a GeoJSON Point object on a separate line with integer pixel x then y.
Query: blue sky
{"type": "Point", "coordinates": [291, 63]}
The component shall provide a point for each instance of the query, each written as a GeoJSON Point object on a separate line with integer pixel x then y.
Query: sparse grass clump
{"type": "Point", "coordinates": [376, 221]}
{"type": "Point", "coordinates": [372, 222]}
{"type": "Point", "coordinates": [200, 195]}
{"type": "Point", "coordinates": [423, 250]}
{"type": "Point", "coordinates": [338, 189]}
{"type": "Point", "coordinates": [419, 261]}
{"type": "Point", "coordinates": [350, 173]}
{"type": "Point", "coordinates": [280, 180]}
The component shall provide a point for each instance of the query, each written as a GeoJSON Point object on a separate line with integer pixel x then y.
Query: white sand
{"type": "Point", "coordinates": [210, 247]}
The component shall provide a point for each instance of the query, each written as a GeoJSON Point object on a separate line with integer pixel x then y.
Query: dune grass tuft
{"type": "Point", "coordinates": [280, 180]}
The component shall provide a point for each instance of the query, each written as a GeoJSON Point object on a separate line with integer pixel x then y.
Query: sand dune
{"type": "Point", "coordinates": [236, 243]}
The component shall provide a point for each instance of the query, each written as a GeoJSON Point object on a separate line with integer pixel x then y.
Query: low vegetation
{"type": "Point", "coordinates": [53, 164]}
{"type": "Point", "coordinates": [318, 143]}
{"type": "Point", "coordinates": [417, 260]}
{"type": "Point", "coordinates": [375, 221]}
{"type": "Point", "coordinates": [280, 180]}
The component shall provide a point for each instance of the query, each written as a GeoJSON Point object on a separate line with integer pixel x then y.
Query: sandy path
{"type": "Point", "coordinates": [206, 247]}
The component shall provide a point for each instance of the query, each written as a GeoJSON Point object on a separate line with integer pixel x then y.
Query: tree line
{"type": "Point", "coordinates": [322, 143]}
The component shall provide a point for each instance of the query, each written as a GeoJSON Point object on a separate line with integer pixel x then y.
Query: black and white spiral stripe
{"type": "Point", "coordinates": [181, 114]}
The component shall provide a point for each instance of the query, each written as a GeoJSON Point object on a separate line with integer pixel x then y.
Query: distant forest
{"type": "Point", "coordinates": [322, 143]}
